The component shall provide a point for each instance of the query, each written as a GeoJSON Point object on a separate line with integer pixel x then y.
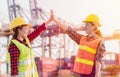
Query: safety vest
{"type": "Point", "coordinates": [85, 58]}
{"type": "Point", "coordinates": [26, 65]}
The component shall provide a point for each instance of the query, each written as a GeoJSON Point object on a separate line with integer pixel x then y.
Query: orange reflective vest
{"type": "Point", "coordinates": [85, 58]}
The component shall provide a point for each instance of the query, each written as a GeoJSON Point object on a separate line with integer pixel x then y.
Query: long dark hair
{"type": "Point", "coordinates": [15, 30]}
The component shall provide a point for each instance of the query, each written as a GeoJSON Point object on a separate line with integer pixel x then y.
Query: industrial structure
{"type": "Point", "coordinates": [48, 44]}
{"type": "Point", "coordinates": [51, 43]}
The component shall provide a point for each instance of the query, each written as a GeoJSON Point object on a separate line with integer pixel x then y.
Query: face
{"type": "Point", "coordinates": [24, 31]}
{"type": "Point", "coordinates": [89, 28]}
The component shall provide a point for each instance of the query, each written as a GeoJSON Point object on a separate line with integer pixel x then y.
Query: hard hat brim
{"type": "Point", "coordinates": [99, 25]}
{"type": "Point", "coordinates": [27, 25]}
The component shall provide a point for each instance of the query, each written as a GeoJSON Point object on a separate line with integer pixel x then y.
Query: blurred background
{"type": "Point", "coordinates": [53, 48]}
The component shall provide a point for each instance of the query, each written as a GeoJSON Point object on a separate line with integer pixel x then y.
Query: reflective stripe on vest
{"type": "Point", "coordinates": [25, 62]}
{"type": "Point", "coordinates": [27, 66]}
{"type": "Point", "coordinates": [84, 61]}
{"type": "Point", "coordinates": [85, 58]}
{"type": "Point", "coordinates": [22, 74]}
{"type": "Point", "coordinates": [88, 49]}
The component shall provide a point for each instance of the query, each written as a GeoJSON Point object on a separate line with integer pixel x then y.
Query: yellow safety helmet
{"type": "Point", "coordinates": [93, 18]}
{"type": "Point", "coordinates": [19, 21]}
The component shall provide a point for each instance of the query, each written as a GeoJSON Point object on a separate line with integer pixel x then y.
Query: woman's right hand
{"type": "Point", "coordinates": [51, 18]}
{"type": "Point", "coordinates": [60, 24]}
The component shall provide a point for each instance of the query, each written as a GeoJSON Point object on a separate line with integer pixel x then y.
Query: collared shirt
{"type": "Point", "coordinates": [14, 52]}
{"type": "Point", "coordinates": [76, 37]}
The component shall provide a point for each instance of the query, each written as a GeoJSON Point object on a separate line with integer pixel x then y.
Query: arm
{"type": "Point", "coordinates": [39, 29]}
{"type": "Point", "coordinates": [36, 32]}
{"type": "Point", "coordinates": [14, 55]}
{"type": "Point", "coordinates": [97, 68]}
{"type": "Point", "coordinates": [79, 28]}
{"type": "Point", "coordinates": [74, 35]}
{"type": "Point", "coordinates": [99, 56]}
{"type": "Point", "coordinates": [71, 32]}
{"type": "Point", "coordinates": [64, 27]}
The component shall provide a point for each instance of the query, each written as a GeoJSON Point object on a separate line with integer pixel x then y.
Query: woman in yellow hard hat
{"type": "Point", "coordinates": [21, 57]}
{"type": "Point", "coordinates": [91, 47]}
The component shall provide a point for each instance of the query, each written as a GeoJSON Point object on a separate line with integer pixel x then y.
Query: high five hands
{"type": "Point", "coordinates": [60, 24]}
{"type": "Point", "coordinates": [51, 18]}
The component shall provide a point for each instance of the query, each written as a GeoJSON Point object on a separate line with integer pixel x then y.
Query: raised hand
{"type": "Point", "coordinates": [51, 18]}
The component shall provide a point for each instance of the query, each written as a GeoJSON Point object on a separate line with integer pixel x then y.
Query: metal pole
{"type": "Point", "coordinates": [36, 9]}
{"type": "Point", "coordinates": [64, 46]}
{"type": "Point", "coordinates": [8, 10]}
{"type": "Point", "coordinates": [14, 8]}
{"type": "Point", "coordinates": [49, 43]}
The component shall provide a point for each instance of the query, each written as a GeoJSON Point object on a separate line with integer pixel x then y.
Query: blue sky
{"type": "Point", "coordinates": [75, 11]}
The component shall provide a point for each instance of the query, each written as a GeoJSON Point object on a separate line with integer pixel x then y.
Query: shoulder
{"type": "Point", "coordinates": [12, 46]}
{"type": "Point", "coordinates": [101, 47]}
{"type": "Point", "coordinates": [102, 42]}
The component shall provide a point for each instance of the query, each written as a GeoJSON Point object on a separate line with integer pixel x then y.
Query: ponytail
{"type": "Point", "coordinates": [97, 32]}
